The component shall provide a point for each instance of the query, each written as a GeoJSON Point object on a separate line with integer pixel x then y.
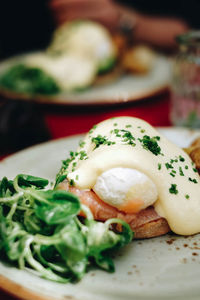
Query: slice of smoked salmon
{"type": "Point", "coordinates": [146, 223]}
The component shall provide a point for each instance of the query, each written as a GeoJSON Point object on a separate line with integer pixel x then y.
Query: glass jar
{"type": "Point", "coordinates": [185, 87]}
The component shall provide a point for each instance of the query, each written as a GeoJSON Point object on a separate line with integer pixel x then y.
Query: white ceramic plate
{"type": "Point", "coordinates": [124, 89]}
{"type": "Point", "coordinates": [161, 268]}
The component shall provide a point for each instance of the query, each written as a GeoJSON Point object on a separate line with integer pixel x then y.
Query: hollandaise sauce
{"type": "Point", "coordinates": [163, 174]}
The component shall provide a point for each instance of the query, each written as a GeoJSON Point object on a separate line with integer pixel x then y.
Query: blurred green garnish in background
{"type": "Point", "coordinates": [30, 80]}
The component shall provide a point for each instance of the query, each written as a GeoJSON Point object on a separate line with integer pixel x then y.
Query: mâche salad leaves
{"type": "Point", "coordinates": [41, 230]}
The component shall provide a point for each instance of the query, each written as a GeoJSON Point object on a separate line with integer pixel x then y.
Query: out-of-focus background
{"type": "Point", "coordinates": [28, 25]}
{"type": "Point", "coordinates": [67, 64]}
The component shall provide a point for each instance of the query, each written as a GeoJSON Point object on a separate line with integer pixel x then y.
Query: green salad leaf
{"type": "Point", "coordinates": [40, 229]}
{"type": "Point", "coordinates": [31, 80]}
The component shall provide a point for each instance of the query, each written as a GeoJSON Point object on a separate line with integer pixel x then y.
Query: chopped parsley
{"type": "Point", "coordinates": [128, 137]}
{"type": "Point", "coordinates": [195, 170]}
{"type": "Point", "coordinates": [181, 171]}
{"type": "Point", "coordinates": [186, 167]}
{"type": "Point", "coordinates": [187, 196]}
{"type": "Point", "coordinates": [62, 174]}
{"type": "Point", "coordinates": [128, 126]}
{"type": "Point", "coordinates": [181, 158]}
{"type": "Point", "coordinates": [81, 144]}
{"type": "Point", "coordinates": [172, 174]}
{"type": "Point", "coordinates": [159, 166]}
{"type": "Point", "coordinates": [72, 183]}
{"type": "Point", "coordinates": [116, 132]}
{"type": "Point", "coordinates": [83, 155]}
{"type": "Point", "coordinates": [115, 124]}
{"type": "Point", "coordinates": [151, 144]}
{"type": "Point", "coordinates": [91, 130]}
{"type": "Point", "coordinates": [101, 140]}
{"type": "Point", "coordinates": [168, 166]}
{"type": "Point", "coordinates": [173, 189]}
{"type": "Point", "coordinates": [192, 180]}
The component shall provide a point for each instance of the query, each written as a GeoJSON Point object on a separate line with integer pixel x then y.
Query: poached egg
{"type": "Point", "coordinates": [126, 189]}
{"type": "Point", "coordinates": [155, 166]}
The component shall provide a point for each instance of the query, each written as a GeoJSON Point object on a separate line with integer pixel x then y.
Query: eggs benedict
{"type": "Point", "coordinates": [125, 168]}
{"type": "Point", "coordinates": [88, 39]}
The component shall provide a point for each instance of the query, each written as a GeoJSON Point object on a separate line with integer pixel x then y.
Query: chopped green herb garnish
{"type": "Point", "coordinates": [168, 166]}
{"type": "Point", "coordinates": [172, 174]}
{"type": "Point", "coordinates": [192, 180]}
{"type": "Point", "coordinates": [128, 126]}
{"type": "Point", "coordinates": [151, 144]}
{"type": "Point", "coordinates": [92, 129]}
{"type": "Point", "coordinates": [142, 130]}
{"type": "Point", "coordinates": [76, 177]}
{"type": "Point", "coordinates": [195, 170]}
{"type": "Point", "coordinates": [81, 144]}
{"type": "Point", "coordinates": [181, 171]}
{"type": "Point", "coordinates": [187, 196]}
{"type": "Point", "coordinates": [101, 140]}
{"type": "Point", "coordinates": [31, 80]}
{"type": "Point", "coordinates": [173, 189]}
{"type": "Point", "coordinates": [115, 124]}
{"type": "Point", "coordinates": [71, 182]}
{"type": "Point", "coordinates": [83, 155]}
{"type": "Point", "coordinates": [72, 154]}
{"type": "Point", "coordinates": [159, 166]}
{"type": "Point", "coordinates": [181, 158]}
{"type": "Point", "coordinates": [128, 137]}
{"type": "Point", "coordinates": [186, 167]}
{"type": "Point", "coordinates": [116, 131]}
{"type": "Point", "coordinates": [62, 174]}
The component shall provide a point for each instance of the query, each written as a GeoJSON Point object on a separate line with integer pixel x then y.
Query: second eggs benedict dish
{"type": "Point", "coordinates": [125, 168]}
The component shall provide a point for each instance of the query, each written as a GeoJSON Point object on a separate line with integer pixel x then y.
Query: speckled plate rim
{"type": "Point", "coordinates": [185, 136]}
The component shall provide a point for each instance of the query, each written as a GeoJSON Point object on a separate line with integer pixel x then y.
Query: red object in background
{"type": "Point", "coordinates": [65, 121]}
{"type": "Point", "coordinates": [79, 120]}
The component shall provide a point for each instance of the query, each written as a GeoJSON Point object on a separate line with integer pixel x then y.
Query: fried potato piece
{"type": "Point", "coordinates": [194, 152]}
{"type": "Point", "coordinates": [138, 59]}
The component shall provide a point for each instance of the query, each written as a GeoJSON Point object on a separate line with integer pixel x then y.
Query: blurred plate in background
{"type": "Point", "coordinates": [125, 88]}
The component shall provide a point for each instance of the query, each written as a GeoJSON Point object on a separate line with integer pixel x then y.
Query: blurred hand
{"type": "Point", "coordinates": [159, 31]}
{"type": "Point", "coordinates": [153, 30]}
{"type": "Point", "coordinates": [103, 11]}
